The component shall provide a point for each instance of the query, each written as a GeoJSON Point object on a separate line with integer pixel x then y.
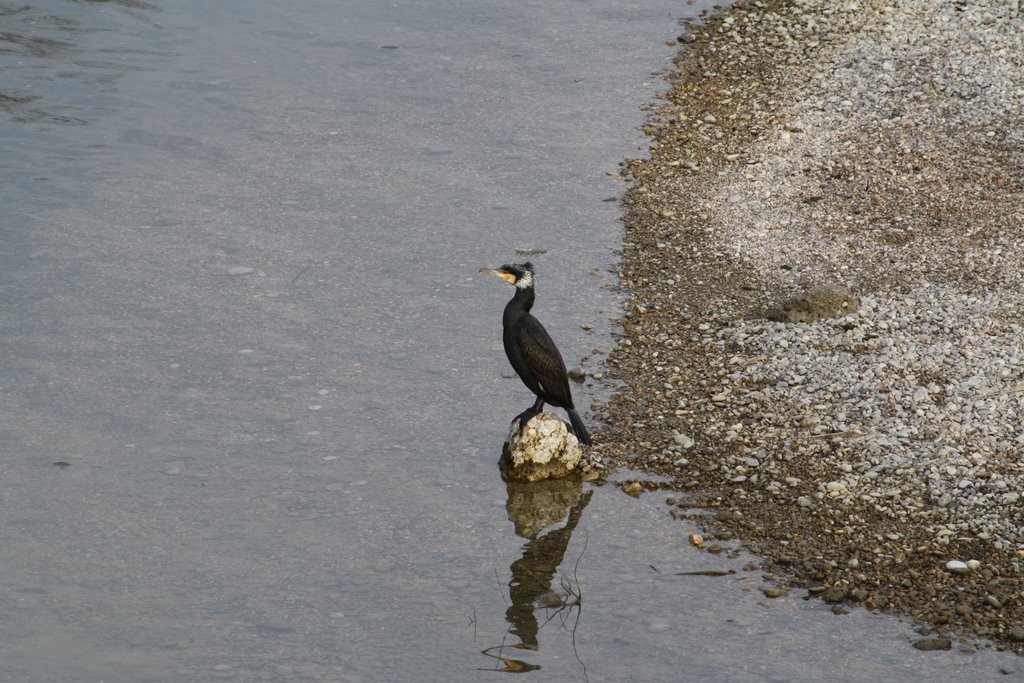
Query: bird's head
{"type": "Point", "coordinates": [518, 274]}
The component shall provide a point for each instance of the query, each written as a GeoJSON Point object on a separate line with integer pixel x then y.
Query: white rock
{"type": "Point", "coordinates": [682, 440]}
{"type": "Point", "coordinates": [543, 449]}
{"type": "Point", "coordinates": [957, 567]}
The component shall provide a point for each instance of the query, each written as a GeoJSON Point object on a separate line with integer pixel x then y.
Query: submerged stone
{"type": "Point", "coordinates": [933, 644]}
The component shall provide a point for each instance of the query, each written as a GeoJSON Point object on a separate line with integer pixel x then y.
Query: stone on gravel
{"type": "Point", "coordinates": [957, 567]}
{"type": "Point", "coordinates": [826, 301]}
{"type": "Point", "coordinates": [835, 594]}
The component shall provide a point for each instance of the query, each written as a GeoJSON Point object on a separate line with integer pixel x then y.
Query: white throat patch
{"type": "Point", "coordinates": [525, 281]}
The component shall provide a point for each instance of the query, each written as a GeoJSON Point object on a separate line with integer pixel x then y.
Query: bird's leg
{"type": "Point", "coordinates": [529, 413]}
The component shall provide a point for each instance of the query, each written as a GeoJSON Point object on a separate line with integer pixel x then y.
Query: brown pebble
{"type": "Point", "coordinates": [836, 594]}
{"type": "Point", "coordinates": [633, 488]}
{"type": "Point", "coordinates": [933, 644]}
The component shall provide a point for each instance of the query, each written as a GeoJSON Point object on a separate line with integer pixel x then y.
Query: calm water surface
{"type": "Point", "coordinates": [251, 392]}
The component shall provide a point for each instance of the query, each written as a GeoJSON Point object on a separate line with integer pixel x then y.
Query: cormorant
{"type": "Point", "coordinates": [530, 350]}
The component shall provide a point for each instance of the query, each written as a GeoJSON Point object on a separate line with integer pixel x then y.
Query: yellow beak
{"type": "Point", "coordinates": [507, 277]}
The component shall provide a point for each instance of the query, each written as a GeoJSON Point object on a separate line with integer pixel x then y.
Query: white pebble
{"type": "Point", "coordinates": [957, 567]}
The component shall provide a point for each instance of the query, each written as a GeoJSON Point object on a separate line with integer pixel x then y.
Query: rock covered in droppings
{"type": "Point", "coordinates": [543, 448]}
{"type": "Point", "coordinates": [825, 301]}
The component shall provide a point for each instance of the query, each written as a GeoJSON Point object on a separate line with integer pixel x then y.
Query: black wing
{"type": "Point", "coordinates": [541, 356]}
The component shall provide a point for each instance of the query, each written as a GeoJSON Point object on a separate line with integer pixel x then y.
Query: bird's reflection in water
{"type": "Point", "coordinates": [534, 508]}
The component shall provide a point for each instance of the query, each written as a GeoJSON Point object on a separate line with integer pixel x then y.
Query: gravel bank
{"type": "Point", "coordinates": [876, 146]}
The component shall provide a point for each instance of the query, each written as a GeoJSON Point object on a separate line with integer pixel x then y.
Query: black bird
{"type": "Point", "coordinates": [530, 350]}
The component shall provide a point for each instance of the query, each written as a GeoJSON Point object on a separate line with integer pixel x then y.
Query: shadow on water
{"type": "Point", "coordinates": [534, 508]}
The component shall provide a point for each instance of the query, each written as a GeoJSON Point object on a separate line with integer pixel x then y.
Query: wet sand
{"type": "Point", "coordinates": [872, 456]}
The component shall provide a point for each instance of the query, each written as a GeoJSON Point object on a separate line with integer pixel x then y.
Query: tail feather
{"type": "Point", "coordinates": [578, 427]}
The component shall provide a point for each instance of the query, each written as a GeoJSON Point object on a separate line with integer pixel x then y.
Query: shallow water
{"type": "Point", "coordinates": [241, 309]}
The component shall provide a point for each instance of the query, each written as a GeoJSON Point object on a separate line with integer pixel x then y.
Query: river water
{"type": "Point", "coordinates": [252, 386]}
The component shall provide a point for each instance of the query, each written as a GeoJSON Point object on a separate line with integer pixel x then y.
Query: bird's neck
{"type": "Point", "coordinates": [520, 304]}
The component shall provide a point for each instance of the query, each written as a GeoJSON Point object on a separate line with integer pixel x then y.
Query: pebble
{"type": "Point", "coordinates": [836, 594]}
{"type": "Point", "coordinates": [957, 567]}
{"type": "Point", "coordinates": [933, 644]}
{"type": "Point", "coordinates": [682, 440]}
{"type": "Point", "coordinates": [655, 624]}
{"type": "Point", "coordinates": [240, 270]}
{"type": "Point", "coordinates": [633, 488]}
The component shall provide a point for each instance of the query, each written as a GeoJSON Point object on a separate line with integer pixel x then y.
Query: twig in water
{"type": "Point", "coordinates": [708, 572]}
{"type": "Point", "coordinates": [579, 604]}
{"type": "Point", "coordinates": [501, 589]}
